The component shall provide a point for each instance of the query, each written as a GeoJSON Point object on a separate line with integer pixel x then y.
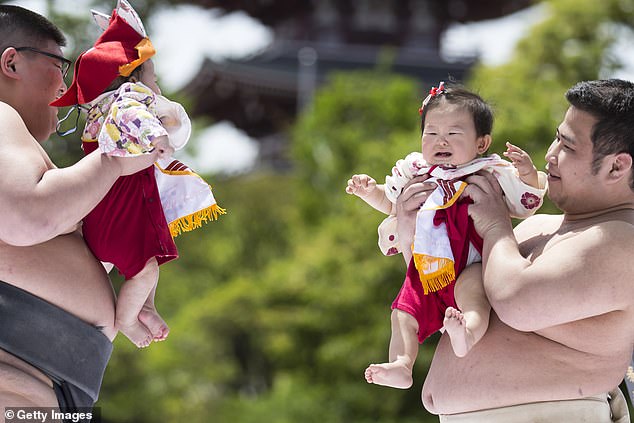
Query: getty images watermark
{"type": "Point", "coordinates": [48, 415]}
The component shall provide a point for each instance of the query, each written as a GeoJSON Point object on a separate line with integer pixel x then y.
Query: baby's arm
{"type": "Point", "coordinates": [523, 163]}
{"type": "Point", "coordinates": [366, 188]}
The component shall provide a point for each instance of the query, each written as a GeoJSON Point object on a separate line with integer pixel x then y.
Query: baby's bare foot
{"type": "Point", "coordinates": [395, 375]}
{"type": "Point", "coordinates": [136, 332]}
{"type": "Point", "coordinates": [456, 327]}
{"type": "Point", "coordinates": [155, 323]}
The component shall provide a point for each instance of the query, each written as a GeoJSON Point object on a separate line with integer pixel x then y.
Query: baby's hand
{"type": "Point", "coordinates": [361, 185]}
{"type": "Point", "coordinates": [162, 145]}
{"type": "Point", "coordinates": [523, 163]}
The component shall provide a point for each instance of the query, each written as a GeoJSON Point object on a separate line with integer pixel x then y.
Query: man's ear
{"type": "Point", "coordinates": [621, 166]}
{"type": "Point", "coordinates": [8, 61]}
{"type": "Point", "coordinates": [483, 143]}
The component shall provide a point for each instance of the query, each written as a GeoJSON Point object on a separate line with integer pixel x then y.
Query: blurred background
{"type": "Point", "coordinates": [278, 307]}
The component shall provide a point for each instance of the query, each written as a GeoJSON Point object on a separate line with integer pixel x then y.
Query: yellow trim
{"type": "Point", "coordinates": [176, 172]}
{"type": "Point", "coordinates": [453, 199]}
{"type": "Point", "coordinates": [146, 50]}
{"type": "Point", "coordinates": [437, 280]}
{"type": "Point", "coordinates": [195, 220]}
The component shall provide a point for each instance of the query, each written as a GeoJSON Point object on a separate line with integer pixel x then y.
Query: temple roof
{"type": "Point", "coordinates": [262, 94]}
{"type": "Point", "coordinates": [242, 90]}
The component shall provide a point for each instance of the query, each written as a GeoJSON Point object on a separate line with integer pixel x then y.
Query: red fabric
{"type": "Point", "coordinates": [429, 310]}
{"type": "Point", "coordinates": [460, 230]}
{"type": "Point", "coordinates": [128, 227]}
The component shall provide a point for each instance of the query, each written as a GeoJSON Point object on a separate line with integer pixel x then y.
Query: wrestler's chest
{"type": "Point", "coordinates": [532, 248]}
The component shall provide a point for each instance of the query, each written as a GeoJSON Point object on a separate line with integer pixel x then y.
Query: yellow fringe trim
{"type": "Point", "coordinates": [436, 280]}
{"type": "Point", "coordinates": [195, 220]}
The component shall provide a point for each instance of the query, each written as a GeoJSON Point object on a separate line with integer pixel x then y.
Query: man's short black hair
{"type": "Point", "coordinates": [611, 102]}
{"type": "Point", "coordinates": [20, 27]}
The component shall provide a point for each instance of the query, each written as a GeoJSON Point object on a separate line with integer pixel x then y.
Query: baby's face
{"type": "Point", "coordinates": [148, 77]}
{"type": "Point", "coordinates": [449, 136]}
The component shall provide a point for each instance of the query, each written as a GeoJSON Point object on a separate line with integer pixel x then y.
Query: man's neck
{"type": "Point", "coordinates": [606, 213]}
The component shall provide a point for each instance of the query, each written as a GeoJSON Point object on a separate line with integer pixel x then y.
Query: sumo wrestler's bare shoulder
{"type": "Point", "coordinates": [537, 225]}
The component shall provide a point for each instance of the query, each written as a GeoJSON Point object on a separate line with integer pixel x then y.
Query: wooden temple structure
{"type": "Point", "coordinates": [262, 94]}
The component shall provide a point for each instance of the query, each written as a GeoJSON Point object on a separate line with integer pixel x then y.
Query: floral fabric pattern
{"type": "Point", "coordinates": [530, 200]}
{"type": "Point", "coordinates": [123, 122]}
{"type": "Point", "coordinates": [521, 199]}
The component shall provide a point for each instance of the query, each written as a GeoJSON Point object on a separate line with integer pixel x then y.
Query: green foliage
{"type": "Point", "coordinates": [359, 122]}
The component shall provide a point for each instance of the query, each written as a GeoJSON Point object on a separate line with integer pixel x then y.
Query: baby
{"type": "Point", "coordinates": [456, 133]}
{"type": "Point", "coordinates": [133, 227]}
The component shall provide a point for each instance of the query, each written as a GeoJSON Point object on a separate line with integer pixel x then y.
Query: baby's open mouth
{"type": "Point", "coordinates": [443, 154]}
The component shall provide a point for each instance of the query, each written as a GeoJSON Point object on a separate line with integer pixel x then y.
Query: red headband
{"type": "Point", "coordinates": [432, 93]}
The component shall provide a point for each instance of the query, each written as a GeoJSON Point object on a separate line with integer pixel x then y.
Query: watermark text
{"type": "Point", "coordinates": [50, 415]}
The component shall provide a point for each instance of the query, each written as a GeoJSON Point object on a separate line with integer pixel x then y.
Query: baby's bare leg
{"type": "Point", "coordinates": [132, 297]}
{"type": "Point", "coordinates": [465, 328]}
{"type": "Point", "coordinates": [397, 373]}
